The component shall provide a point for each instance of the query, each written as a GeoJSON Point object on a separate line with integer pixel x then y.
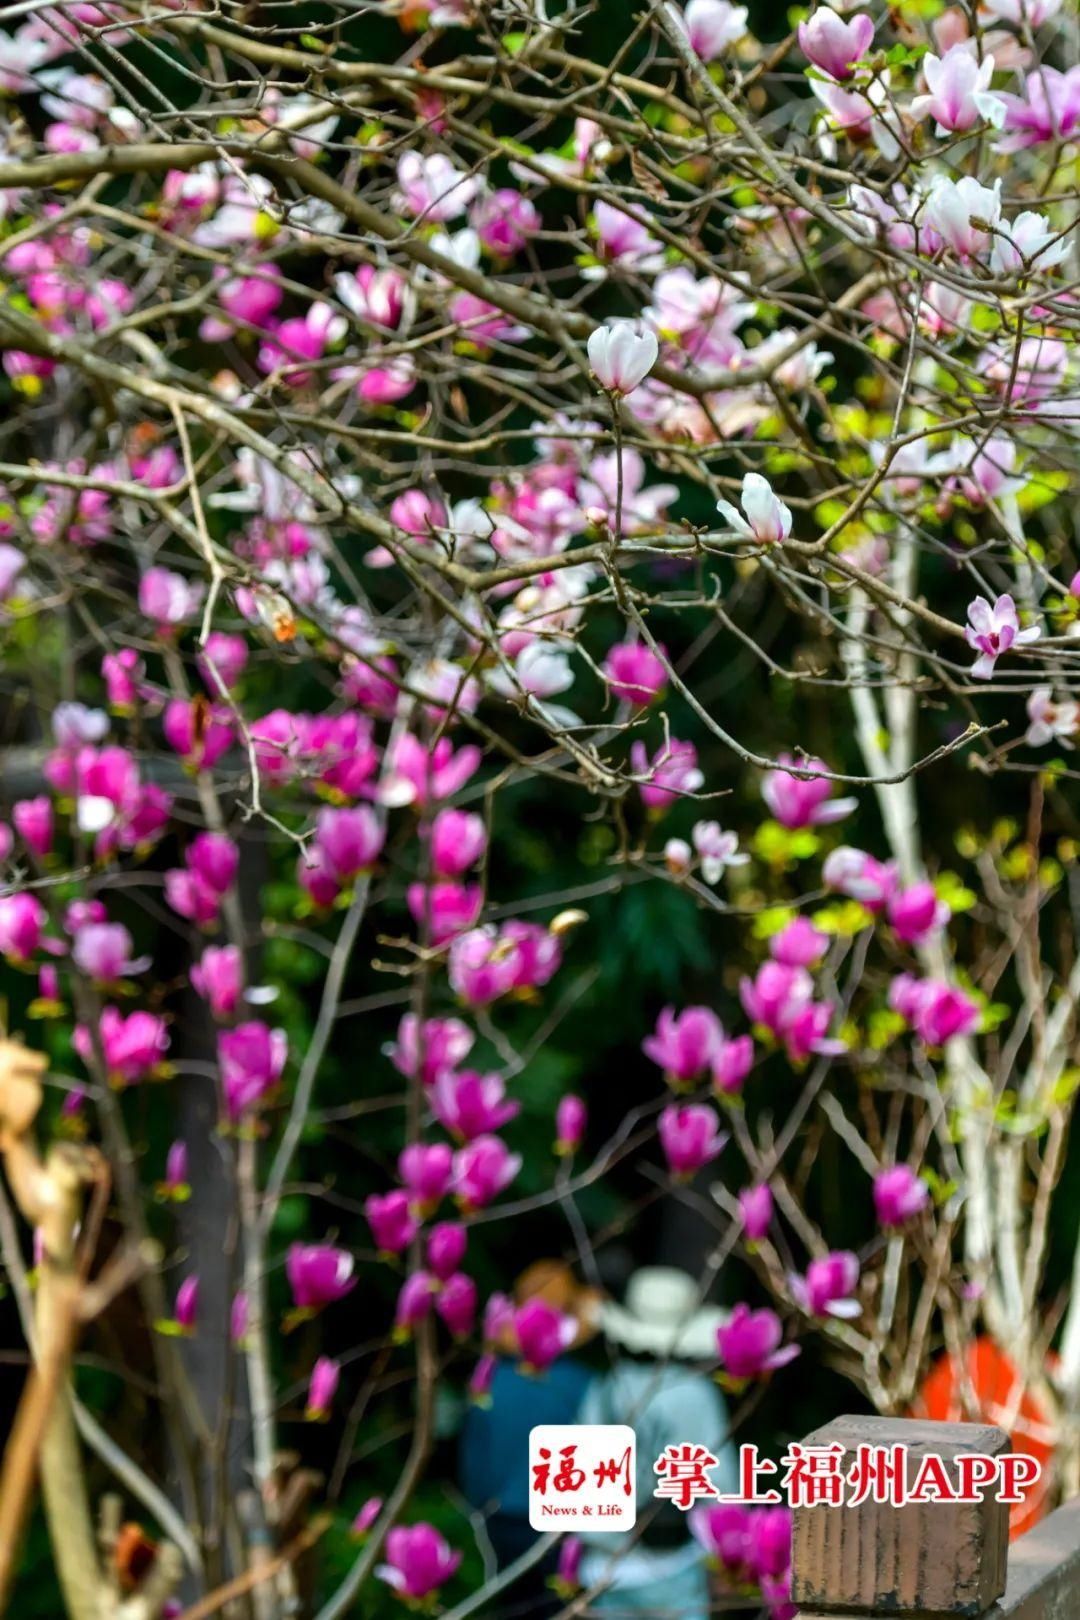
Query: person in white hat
{"type": "Point", "coordinates": [658, 1334]}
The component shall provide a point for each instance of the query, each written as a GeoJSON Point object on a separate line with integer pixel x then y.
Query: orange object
{"type": "Point", "coordinates": [134, 1556]}
{"type": "Point", "coordinates": [994, 1379]}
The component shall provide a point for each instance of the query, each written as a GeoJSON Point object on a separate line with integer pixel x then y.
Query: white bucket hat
{"type": "Point", "coordinates": [662, 1316]}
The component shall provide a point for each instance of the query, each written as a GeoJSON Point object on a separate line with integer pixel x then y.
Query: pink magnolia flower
{"type": "Point", "coordinates": [418, 514]}
{"type": "Point", "coordinates": [991, 631]}
{"type": "Point", "coordinates": [432, 188]}
{"type": "Point", "coordinates": [498, 1318]}
{"type": "Point", "coordinates": [123, 673]}
{"type": "Point", "coordinates": [81, 912]}
{"type": "Point", "coordinates": [33, 819]}
{"type": "Point", "coordinates": [858, 875]}
{"type": "Point", "coordinates": [899, 1195]}
{"type": "Point", "coordinates": [568, 1571]}
{"type": "Point", "coordinates": [834, 45]}
{"type": "Point", "coordinates": [446, 1247]}
{"type": "Point", "coordinates": [186, 1306]}
{"type": "Point", "coordinates": [749, 1343]}
{"type": "Point", "coordinates": [303, 338]}
{"type": "Point", "coordinates": [222, 660]}
{"type": "Point", "coordinates": [797, 801]}
{"type": "Point", "coordinates": [132, 1047]}
{"type": "Point", "coordinates": [418, 1561]}
{"type": "Point", "coordinates": [189, 897]}
{"type": "Point", "coordinates": [367, 1516]}
{"type": "Point", "coordinates": [724, 1531]}
{"type": "Point", "coordinates": [959, 92]}
{"type": "Point", "coordinates": [634, 673]}
{"type": "Point", "coordinates": [571, 1118]}
{"type": "Point", "coordinates": [1030, 376]}
{"type": "Point", "coordinates": [318, 1274]}
{"type": "Point", "coordinates": [769, 1546]}
{"type": "Point", "coordinates": [799, 944]}
{"type": "Point", "coordinates": [764, 517]}
{"type": "Point", "coordinates": [686, 1044]}
{"type": "Point", "coordinates": [392, 1222]}
{"type": "Point", "coordinates": [458, 841]}
{"type": "Point", "coordinates": [732, 1064]}
{"type": "Point", "coordinates": [444, 910]}
{"type": "Point", "coordinates": [218, 977]}
{"type": "Point", "coordinates": [916, 912]}
{"type": "Point", "coordinates": [809, 1033]}
{"type": "Point", "coordinates": [317, 877]}
{"type": "Point", "coordinates": [829, 1283]}
{"type": "Point", "coordinates": [469, 1104]}
{"type": "Point", "coordinates": [427, 1170]}
{"type": "Point", "coordinates": [350, 839]}
{"type": "Point", "coordinates": [455, 1304]}
{"type": "Point", "coordinates": [367, 681]}
{"type": "Point", "coordinates": [1049, 720]}
{"type": "Point", "coordinates": [175, 1184]}
{"type": "Point", "coordinates": [780, 999]}
{"type": "Point", "coordinates": [690, 1136]}
{"type": "Point", "coordinates": [643, 507]}
{"type": "Point", "coordinates": [620, 355]}
{"type": "Point", "coordinates": [710, 26]}
{"type": "Point", "coordinates": [490, 962]}
{"type": "Point", "coordinates": [481, 1379]}
{"type": "Point", "coordinates": [861, 115]}
{"type": "Point", "coordinates": [426, 1047]}
{"type": "Point", "coordinates": [756, 1211]}
{"type": "Point", "coordinates": [1049, 110]}
{"type": "Point", "coordinates": [480, 969]}
{"type": "Point", "coordinates": [482, 1169]}
{"type": "Point", "coordinates": [247, 300]}
{"type": "Point", "coordinates": [482, 323]}
{"type": "Point", "coordinates": [935, 1010]}
{"type": "Point", "coordinates": [981, 472]}
{"type": "Point", "coordinates": [625, 244]}
{"type": "Point", "coordinates": [325, 1377]}
{"type": "Point", "coordinates": [103, 951]}
{"type": "Point", "coordinates": [414, 1302]}
{"type": "Point", "coordinates": [252, 1057]}
{"type": "Point", "coordinates": [380, 297]}
{"type": "Point", "coordinates": [504, 221]}
{"type": "Point", "coordinates": [199, 739]}
{"type": "Point", "coordinates": [167, 598]}
{"type": "Point", "coordinates": [112, 800]}
{"type": "Point", "coordinates": [536, 953]}
{"type": "Point", "coordinates": [214, 859]}
{"type": "Point", "coordinates": [672, 771]}
{"type": "Point", "coordinates": [417, 775]}
{"type": "Point", "coordinates": [542, 1333]}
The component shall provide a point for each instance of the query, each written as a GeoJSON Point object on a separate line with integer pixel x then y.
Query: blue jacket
{"type": "Point", "coordinates": [495, 1438]}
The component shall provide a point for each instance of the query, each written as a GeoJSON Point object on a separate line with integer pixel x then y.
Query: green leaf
{"type": "Point", "coordinates": [956, 895]}
{"type": "Point", "coordinates": [781, 846]}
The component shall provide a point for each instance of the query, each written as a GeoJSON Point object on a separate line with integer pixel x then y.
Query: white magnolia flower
{"type": "Point", "coordinates": [621, 356]}
{"type": "Point", "coordinates": [1049, 720]}
{"type": "Point", "coordinates": [764, 515]}
{"type": "Point", "coordinates": [1030, 242]}
{"type": "Point", "coordinates": [716, 850]}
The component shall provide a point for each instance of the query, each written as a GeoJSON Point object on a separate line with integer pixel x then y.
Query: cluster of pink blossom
{"type": "Point", "coordinates": [314, 625]}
